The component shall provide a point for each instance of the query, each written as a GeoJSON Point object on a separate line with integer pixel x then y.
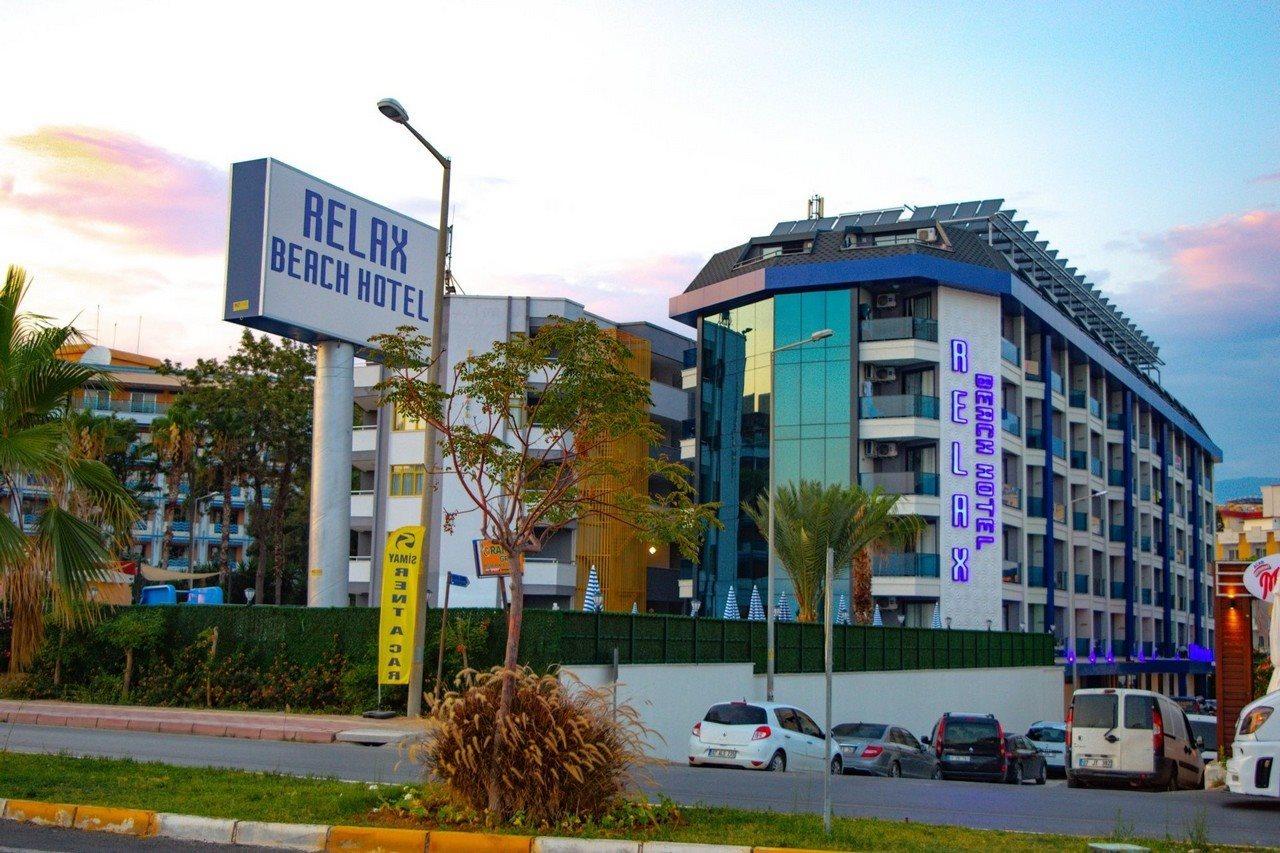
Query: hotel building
{"type": "Point", "coordinates": [388, 476]}
{"type": "Point", "coordinates": [978, 374]}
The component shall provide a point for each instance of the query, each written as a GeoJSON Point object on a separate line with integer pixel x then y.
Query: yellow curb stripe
{"type": "Point", "coordinates": [478, 842]}
{"type": "Point", "coordinates": [120, 821]}
{"type": "Point", "coordinates": [46, 814]}
{"type": "Point", "coordinates": [373, 839]}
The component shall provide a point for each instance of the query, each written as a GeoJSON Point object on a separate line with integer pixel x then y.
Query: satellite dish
{"type": "Point", "coordinates": [96, 354]}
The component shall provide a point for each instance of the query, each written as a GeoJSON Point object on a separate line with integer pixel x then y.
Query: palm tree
{"type": "Point", "coordinates": [811, 517]}
{"type": "Point", "coordinates": [75, 509]}
{"type": "Point", "coordinates": [173, 441]}
{"type": "Point", "coordinates": [877, 527]}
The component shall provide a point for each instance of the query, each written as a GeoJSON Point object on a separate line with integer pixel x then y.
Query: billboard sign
{"type": "Point", "coordinates": [313, 262]}
{"type": "Point", "coordinates": [401, 563]}
{"type": "Point", "coordinates": [492, 560]}
{"type": "Point", "coordinates": [1261, 576]}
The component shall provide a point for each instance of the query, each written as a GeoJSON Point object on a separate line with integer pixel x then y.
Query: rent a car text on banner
{"type": "Point", "coordinates": [400, 570]}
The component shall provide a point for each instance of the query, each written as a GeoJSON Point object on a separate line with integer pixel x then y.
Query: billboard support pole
{"type": "Point", "coordinates": [328, 537]}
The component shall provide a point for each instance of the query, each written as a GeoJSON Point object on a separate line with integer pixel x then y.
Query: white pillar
{"type": "Point", "coordinates": [330, 525]}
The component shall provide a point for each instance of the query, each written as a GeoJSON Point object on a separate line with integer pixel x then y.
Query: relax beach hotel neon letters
{"type": "Point", "coordinates": [977, 510]}
{"type": "Point", "coordinates": [336, 225]}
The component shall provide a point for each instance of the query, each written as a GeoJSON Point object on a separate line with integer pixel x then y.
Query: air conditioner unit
{"type": "Point", "coordinates": [881, 449]}
{"type": "Point", "coordinates": [927, 235]}
{"type": "Point", "coordinates": [886, 300]}
{"type": "Point", "coordinates": [884, 374]}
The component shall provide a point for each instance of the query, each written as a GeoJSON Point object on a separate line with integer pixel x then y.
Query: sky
{"type": "Point", "coordinates": [604, 151]}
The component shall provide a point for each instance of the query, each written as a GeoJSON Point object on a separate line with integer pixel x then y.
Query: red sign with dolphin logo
{"type": "Point", "coordinates": [1262, 576]}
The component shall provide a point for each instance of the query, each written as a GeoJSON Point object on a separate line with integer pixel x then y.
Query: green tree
{"type": "Point", "coordinates": [81, 511]}
{"type": "Point", "coordinates": [174, 442]}
{"type": "Point", "coordinates": [811, 517]}
{"type": "Point", "coordinates": [136, 630]}
{"type": "Point", "coordinates": [533, 463]}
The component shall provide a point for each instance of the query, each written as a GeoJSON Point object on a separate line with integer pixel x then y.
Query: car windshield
{"type": "Point", "coordinates": [735, 714]}
{"type": "Point", "coordinates": [1206, 731]}
{"type": "Point", "coordinates": [858, 731]}
{"type": "Point", "coordinates": [1094, 711]}
{"type": "Point", "coordinates": [961, 732]}
{"type": "Point", "coordinates": [1046, 734]}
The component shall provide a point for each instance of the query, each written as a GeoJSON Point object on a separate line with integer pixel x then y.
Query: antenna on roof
{"type": "Point", "coordinates": [816, 204]}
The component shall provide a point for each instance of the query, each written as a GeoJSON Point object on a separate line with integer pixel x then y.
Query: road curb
{"type": "Point", "coordinates": [318, 837]}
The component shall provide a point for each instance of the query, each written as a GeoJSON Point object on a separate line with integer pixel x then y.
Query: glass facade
{"type": "Point", "coordinates": [813, 438]}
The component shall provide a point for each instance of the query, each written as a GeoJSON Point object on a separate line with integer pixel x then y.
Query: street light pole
{"type": "Point", "coordinates": [773, 465]}
{"type": "Point", "coordinates": [391, 108]}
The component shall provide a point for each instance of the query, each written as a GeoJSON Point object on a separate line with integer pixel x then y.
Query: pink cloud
{"type": "Point", "coordinates": [631, 291]}
{"type": "Point", "coordinates": [1270, 177]}
{"type": "Point", "coordinates": [120, 189]}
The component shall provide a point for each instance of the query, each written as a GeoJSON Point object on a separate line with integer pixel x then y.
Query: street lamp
{"type": "Point", "coordinates": [819, 335]}
{"type": "Point", "coordinates": [392, 109]}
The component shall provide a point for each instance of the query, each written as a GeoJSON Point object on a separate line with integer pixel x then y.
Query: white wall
{"type": "Point", "coordinates": [672, 697]}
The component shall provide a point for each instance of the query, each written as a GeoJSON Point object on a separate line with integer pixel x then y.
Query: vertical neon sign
{"type": "Point", "coordinates": [973, 507]}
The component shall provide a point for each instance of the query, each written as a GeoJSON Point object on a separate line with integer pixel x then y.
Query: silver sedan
{"type": "Point", "coordinates": [880, 749]}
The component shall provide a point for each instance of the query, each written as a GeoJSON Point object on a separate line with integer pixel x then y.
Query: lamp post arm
{"type": "Point", "coordinates": [444, 161]}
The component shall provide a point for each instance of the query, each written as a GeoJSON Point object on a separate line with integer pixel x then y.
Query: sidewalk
{"type": "Point", "coordinates": [253, 725]}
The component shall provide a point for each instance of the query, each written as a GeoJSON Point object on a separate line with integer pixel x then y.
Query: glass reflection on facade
{"type": "Point", "coordinates": [813, 439]}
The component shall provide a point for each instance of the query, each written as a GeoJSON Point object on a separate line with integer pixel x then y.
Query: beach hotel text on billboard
{"type": "Point", "coordinates": [973, 509]}
{"type": "Point", "coordinates": [313, 262]}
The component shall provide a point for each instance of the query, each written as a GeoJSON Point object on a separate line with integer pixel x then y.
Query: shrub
{"type": "Point", "coordinates": [559, 752]}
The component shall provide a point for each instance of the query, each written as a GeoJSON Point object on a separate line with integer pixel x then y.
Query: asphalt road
{"type": "Point", "coordinates": [15, 837]}
{"type": "Point", "coordinates": [1051, 808]}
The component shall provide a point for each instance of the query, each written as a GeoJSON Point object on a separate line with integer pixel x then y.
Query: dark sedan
{"type": "Point", "coordinates": [880, 749]}
{"type": "Point", "coordinates": [1025, 761]}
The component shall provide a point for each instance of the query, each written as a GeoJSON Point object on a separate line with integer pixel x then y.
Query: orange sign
{"type": "Point", "coordinates": [492, 560]}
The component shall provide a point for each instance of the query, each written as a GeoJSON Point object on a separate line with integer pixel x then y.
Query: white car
{"type": "Point", "coordinates": [761, 736]}
{"type": "Point", "coordinates": [1050, 739]}
{"type": "Point", "coordinates": [1205, 728]}
{"type": "Point", "coordinates": [1254, 767]}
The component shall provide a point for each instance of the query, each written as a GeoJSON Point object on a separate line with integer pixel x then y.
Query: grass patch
{"type": "Point", "coordinates": [274, 797]}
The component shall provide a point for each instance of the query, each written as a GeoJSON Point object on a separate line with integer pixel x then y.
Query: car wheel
{"type": "Point", "coordinates": [778, 763]}
{"type": "Point", "coordinates": [1044, 775]}
{"type": "Point", "coordinates": [1015, 774]}
{"type": "Point", "coordinates": [1172, 783]}
{"type": "Point", "coordinates": [837, 766]}
{"type": "Point", "coordinates": [895, 770]}
{"type": "Point", "coordinates": [1073, 782]}
{"type": "Point", "coordinates": [937, 774]}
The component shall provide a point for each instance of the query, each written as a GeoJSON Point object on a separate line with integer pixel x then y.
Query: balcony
{"type": "Point", "coordinates": [181, 527]}
{"type": "Point", "coordinates": [1115, 477]}
{"type": "Point", "coordinates": [1035, 438]}
{"type": "Point", "coordinates": [1083, 646]}
{"type": "Point", "coordinates": [1116, 534]}
{"type": "Point", "coordinates": [898, 406]}
{"type": "Point", "coordinates": [1060, 580]}
{"type": "Point", "coordinates": [1117, 589]}
{"type": "Point", "coordinates": [905, 565]}
{"type": "Point", "coordinates": [1095, 467]}
{"type": "Point", "coordinates": [1144, 440]}
{"type": "Point", "coordinates": [1055, 382]}
{"type": "Point", "coordinates": [1035, 576]}
{"type": "Point", "coordinates": [131, 407]}
{"type": "Point", "coordinates": [1012, 497]}
{"type": "Point", "coordinates": [1080, 521]}
{"type": "Point", "coordinates": [1012, 572]}
{"type": "Point", "coordinates": [899, 329]}
{"type": "Point", "coordinates": [1035, 506]}
{"type": "Point", "coordinates": [1079, 459]}
{"type": "Point", "coordinates": [1144, 492]}
{"type": "Point", "coordinates": [1095, 407]}
{"type": "Point", "coordinates": [1099, 586]}
{"type": "Point", "coordinates": [1032, 371]}
{"type": "Point", "coordinates": [1115, 420]}
{"type": "Point", "coordinates": [1060, 513]}
{"type": "Point", "coordinates": [1082, 584]}
{"type": "Point", "coordinates": [1146, 543]}
{"type": "Point", "coordinates": [901, 482]}
{"type": "Point", "coordinates": [1011, 423]}
{"type": "Point", "coordinates": [1009, 352]}
{"type": "Point", "coordinates": [1059, 448]}
{"type": "Point", "coordinates": [1146, 596]}
{"type": "Point", "coordinates": [1077, 398]}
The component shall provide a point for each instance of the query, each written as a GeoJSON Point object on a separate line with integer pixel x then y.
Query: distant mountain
{"type": "Point", "coordinates": [1241, 487]}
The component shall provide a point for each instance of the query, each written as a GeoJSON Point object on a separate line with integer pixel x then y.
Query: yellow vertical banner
{"type": "Point", "coordinates": [400, 565]}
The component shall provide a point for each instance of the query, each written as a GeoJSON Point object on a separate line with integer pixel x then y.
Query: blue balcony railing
{"type": "Point", "coordinates": [1077, 398]}
{"type": "Point", "coordinates": [899, 406]}
{"type": "Point", "coordinates": [1146, 543]}
{"type": "Point", "coordinates": [1035, 506]}
{"type": "Point", "coordinates": [1095, 407]}
{"type": "Point", "coordinates": [899, 329]}
{"type": "Point", "coordinates": [1079, 459]}
{"type": "Point", "coordinates": [1011, 423]}
{"type": "Point", "coordinates": [1012, 572]}
{"type": "Point", "coordinates": [1059, 448]}
{"type": "Point", "coordinates": [1115, 420]}
{"type": "Point", "coordinates": [1009, 352]}
{"type": "Point", "coordinates": [1035, 576]}
{"type": "Point", "coordinates": [1083, 644]}
{"type": "Point", "coordinates": [1117, 589]}
{"type": "Point", "coordinates": [1035, 438]}
{"type": "Point", "coordinates": [1144, 492]}
{"type": "Point", "coordinates": [1146, 596]}
{"type": "Point", "coordinates": [1082, 584]}
{"type": "Point", "coordinates": [1116, 534]}
{"type": "Point", "coordinates": [1080, 521]}
{"type": "Point", "coordinates": [905, 565]}
{"type": "Point", "coordinates": [1115, 477]}
{"type": "Point", "coordinates": [1144, 440]}
{"type": "Point", "coordinates": [181, 526]}
{"type": "Point", "coordinates": [1095, 466]}
{"type": "Point", "coordinates": [1055, 382]}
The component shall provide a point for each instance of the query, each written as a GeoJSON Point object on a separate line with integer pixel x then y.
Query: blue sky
{"type": "Point", "coordinates": [603, 151]}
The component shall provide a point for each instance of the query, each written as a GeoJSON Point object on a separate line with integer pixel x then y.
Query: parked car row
{"type": "Point", "coordinates": [1112, 736]}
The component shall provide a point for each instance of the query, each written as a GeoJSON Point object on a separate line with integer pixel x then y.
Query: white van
{"type": "Point", "coordinates": [1130, 737]}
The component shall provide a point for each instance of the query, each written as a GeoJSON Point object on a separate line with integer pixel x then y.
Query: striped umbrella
{"type": "Point", "coordinates": [784, 609]}
{"type": "Point", "coordinates": [755, 611]}
{"type": "Point", "coordinates": [876, 621]}
{"type": "Point", "coordinates": [589, 600]}
{"type": "Point", "coordinates": [842, 610]}
{"type": "Point", "coordinates": [731, 604]}
{"type": "Point", "coordinates": [937, 615]}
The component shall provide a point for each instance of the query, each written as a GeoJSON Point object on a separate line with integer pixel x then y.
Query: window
{"type": "Point", "coordinates": [808, 726]}
{"type": "Point", "coordinates": [407, 480]}
{"type": "Point", "coordinates": [1094, 711]}
{"type": "Point", "coordinates": [735, 714]}
{"type": "Point", "coordinates": [142, 401]}
{"type": "Point", "coordinates": [861, 731]}
{"type": "Point", "coordinates": [97, 399]}
{"type": "Point", "coordinates": [788, 720]}
{"type": "Point", "coordinates": [403, 422]}
{"type": "Point", "coordinates": [1138, 712]}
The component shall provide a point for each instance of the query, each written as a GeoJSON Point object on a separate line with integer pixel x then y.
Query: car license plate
{"type": "Point", "coordinates": [722, 753]}
{"type": "Point", "coordinates": [1100, 763]}
{"type": "Point", "coordinates": [961, 758]}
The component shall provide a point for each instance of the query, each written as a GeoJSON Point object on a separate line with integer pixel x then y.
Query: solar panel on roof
{"type": "Point", "coordinates": [967, 209]}
{"type": "Point", "coordinates": [923, 213]}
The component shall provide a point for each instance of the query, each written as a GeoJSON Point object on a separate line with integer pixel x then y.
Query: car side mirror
{"type": "Point", "coordinates": [925, 740]}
